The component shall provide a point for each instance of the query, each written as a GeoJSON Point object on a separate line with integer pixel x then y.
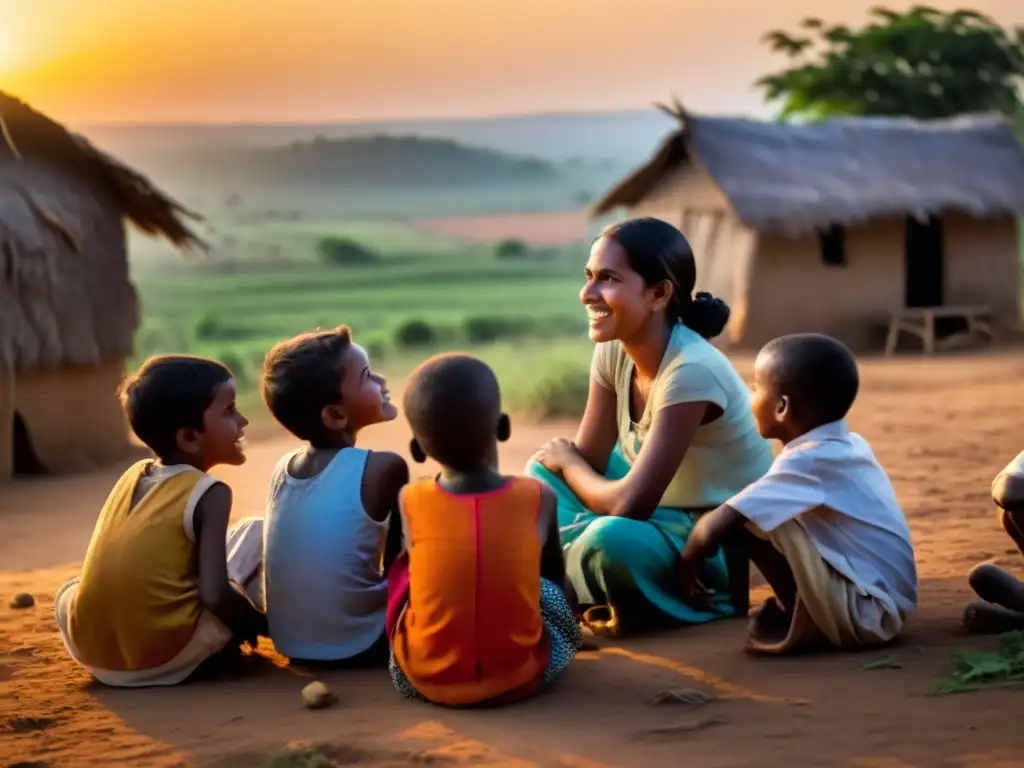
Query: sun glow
{"type": "Point", "coordinates": [8, 52]}
{"type": "Point", "coordinates": [14, 58]}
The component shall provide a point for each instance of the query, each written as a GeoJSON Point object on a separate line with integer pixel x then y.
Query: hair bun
{"type": "Point", "coordinates": [706, 314]}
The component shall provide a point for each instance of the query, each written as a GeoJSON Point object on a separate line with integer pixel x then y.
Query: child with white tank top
{"type": "Point", "coordinates": [331, 531]}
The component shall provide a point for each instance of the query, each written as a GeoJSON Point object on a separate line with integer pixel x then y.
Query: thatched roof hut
{"type": "Point", "coordinates": [763, 202]}
{"type": "Point", "coordinates": [67, 306]}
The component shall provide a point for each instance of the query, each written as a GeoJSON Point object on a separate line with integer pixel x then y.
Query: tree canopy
{"type": "Point", "coordinates": [922, 63]}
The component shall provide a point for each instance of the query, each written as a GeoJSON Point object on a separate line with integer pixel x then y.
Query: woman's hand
{"type": "Point", "coordinates": [556, 454]}
{"type": "Point", "coordinates": [694, 593]}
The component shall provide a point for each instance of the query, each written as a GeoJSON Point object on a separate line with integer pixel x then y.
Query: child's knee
{"type": "Point", "coordinates": [249, 522]}
{"type": "Point", "coordinates": [604, 535]}
{"type": "Point", "coordinates": [538, 471]}
{"type": "Point", "coordinates": [1013, 523]}
{"type": "Point", "coordinates": [981, 575]}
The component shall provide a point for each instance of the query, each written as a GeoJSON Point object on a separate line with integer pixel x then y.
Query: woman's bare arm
{"type": "Point", "coordinates": [637, 495]}
{"type": "Point", "coordinates": [598, 430]}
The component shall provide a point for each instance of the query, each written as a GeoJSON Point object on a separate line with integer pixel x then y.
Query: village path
{"type": "Point", "coordinates": [942, 428]}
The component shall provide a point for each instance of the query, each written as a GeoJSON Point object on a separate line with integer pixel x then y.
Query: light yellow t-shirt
{"type": "Point", "coordinates": [726, 455]}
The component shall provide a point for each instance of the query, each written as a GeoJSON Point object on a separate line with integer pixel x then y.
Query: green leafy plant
{"type": "Point", "coordinates": [975, 670]}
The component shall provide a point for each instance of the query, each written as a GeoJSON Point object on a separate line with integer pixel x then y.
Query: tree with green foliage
{"type": "Point", "coordinates": [922, 63]}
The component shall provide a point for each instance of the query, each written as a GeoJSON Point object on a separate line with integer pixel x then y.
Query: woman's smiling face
{"type": "Point", "coordinates": [618, 301]}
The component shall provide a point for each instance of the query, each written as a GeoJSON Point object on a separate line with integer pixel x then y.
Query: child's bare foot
{"type": "Point", "coordinates": [995, 585]}
{"type": "Point", "coordinates": [985, 618]}
{"type": "Point", "coordinates": [770, 623]}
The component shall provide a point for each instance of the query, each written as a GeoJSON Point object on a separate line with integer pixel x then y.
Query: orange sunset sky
{"type": "Point", "coordinates": [321, 60]}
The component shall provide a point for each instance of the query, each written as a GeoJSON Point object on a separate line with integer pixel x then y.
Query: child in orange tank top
{"type": "Point", "coordinates": [476, 614]}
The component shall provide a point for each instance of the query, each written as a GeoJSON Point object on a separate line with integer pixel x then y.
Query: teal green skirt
{"type": "Point", "coordinates": [631, 566]}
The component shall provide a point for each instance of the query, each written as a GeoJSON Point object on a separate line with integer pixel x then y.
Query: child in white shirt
{"type": "Point", "coordinates": [823, 525]}
{"type": "Point", "coordinates": [1001, 608]}
{"type": "Point", "coordinates": [331, 530]}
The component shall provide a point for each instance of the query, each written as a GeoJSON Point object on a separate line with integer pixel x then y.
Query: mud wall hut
{"type": "Point", "coordinates": [829, 226]}
{"type": "Point", "coordinates": [68, 311]}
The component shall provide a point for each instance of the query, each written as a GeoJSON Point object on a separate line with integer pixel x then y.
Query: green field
{"type": "Point", "coordinates": [266, 279]}
{"type": "Point", "coordinates": [423, 294]}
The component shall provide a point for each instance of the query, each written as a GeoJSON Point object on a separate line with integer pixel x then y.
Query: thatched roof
{"type": "Point", "coordinates": [65, 297]}
{"type": "Point", "coordinates": [797, 178]}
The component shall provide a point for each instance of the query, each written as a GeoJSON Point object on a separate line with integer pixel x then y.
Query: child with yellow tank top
{"type": "Point", "coordinates": [165, 585]}
{"type": "Point", "coordinates": [476, 610]}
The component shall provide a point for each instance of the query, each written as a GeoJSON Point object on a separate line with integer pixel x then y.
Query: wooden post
{"type": "Point", "coordinates": [894, 334]}
{"type": "Point", "coordinates": [929, 331]}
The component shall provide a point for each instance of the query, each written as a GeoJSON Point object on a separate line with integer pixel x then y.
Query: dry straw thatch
{"type": "Point", "coordinates": [794, 179]}
{"type": "Point", "coordinates": [65, 296]}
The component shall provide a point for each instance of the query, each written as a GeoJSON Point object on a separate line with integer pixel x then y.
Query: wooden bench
{"type": "Point", "coordinates": [920, 321]}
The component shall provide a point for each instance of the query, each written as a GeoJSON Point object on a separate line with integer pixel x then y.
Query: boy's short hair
{"type": "Point", "coordinates": [818, 372]}
{"type": "Point", "coordinates": [168, 393]}
{"type": "Point", "coordinates": [302, 376]}
{"type": "Point", "coordinates": [453, 404]}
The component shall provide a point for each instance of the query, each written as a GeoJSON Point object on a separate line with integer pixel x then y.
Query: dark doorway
{"type": "Point", "coordinates": [925, 262]}
{"type": "Point", "coordinates": [926, 271]}
{"type": "Point", "coordinates": [26, 463]}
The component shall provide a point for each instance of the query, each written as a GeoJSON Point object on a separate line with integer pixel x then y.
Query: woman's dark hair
{"type": "Point", "coordinates": [657, 251]}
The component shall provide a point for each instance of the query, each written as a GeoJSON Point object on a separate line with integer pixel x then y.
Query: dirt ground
{"type": "Point", "coordinates": [942, 428]}
{"type": "Point", "coordinates": [542, 228]}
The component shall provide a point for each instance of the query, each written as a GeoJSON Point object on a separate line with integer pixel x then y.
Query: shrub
{"type": "Point", "coordinates": [211, 327]}
{"type": "Point", "coordinates": [562, 326]}
{"type": "Point", "coordinates": [558, 391]}
{"type": "Point", "coordinates": [513, 248]}
{"type": "Point", "coordinates": [481, 330]}
{"type": "Point", "coordinates": [416, 333]}
{"type": "Point", "coordinates": [238, 367]}
{"type": "Point", "coordinates": [256, 358]}
{"type": "Point", "coordinates": [341, 251]}
{"type": "Point", "coordinates": [376, 351]}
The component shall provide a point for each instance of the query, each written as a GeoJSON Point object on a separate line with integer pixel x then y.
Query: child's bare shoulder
{"type": "Point", "coordinates": [213, 507]}
{"type": "Point", "coordinates": [386, 463]}
{"type": "Point", "coordinates": [385, 475]}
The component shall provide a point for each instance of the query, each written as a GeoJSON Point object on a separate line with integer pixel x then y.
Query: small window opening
{"type": "Point", "coordinates": [26, 462]}
{"type": "Point", "coordinates": [832, 242]}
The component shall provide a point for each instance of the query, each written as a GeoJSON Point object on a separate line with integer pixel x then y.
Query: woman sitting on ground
{"type": "Point", "coordinates": [667, 434]}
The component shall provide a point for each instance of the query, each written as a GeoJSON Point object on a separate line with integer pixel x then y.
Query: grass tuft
{"type": "Point", "coordinates": [976, 670]}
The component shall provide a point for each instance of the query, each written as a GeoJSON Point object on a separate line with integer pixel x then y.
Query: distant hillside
{"type": "Point", "coordinates": [370, 162]}
{"type": "Point", "coordinates": [625, 138]}
{"type": "Point", "coordinates": [397, 169]}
